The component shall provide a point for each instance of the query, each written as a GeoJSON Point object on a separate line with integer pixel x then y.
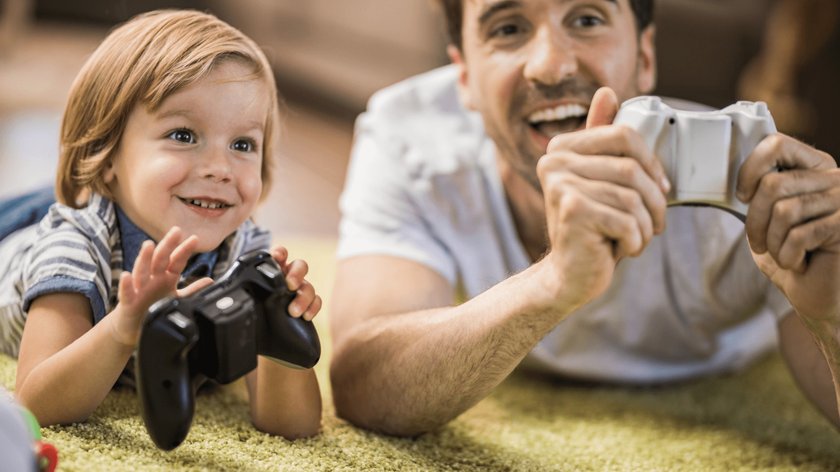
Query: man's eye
{"type": "Point", "coordinates": [508, 29]}
{"type": "Point", "coordinates": [588, 21]}
{"type": "Point", "coordinates": [182, 136]}
{"type": "Point", "coordinates": [243, 145]}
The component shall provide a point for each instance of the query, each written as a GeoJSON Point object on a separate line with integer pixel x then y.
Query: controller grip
{"type": "Point", "coordinates": [167, 400]}
{"type": "Point", "coordinates": [288, 339]}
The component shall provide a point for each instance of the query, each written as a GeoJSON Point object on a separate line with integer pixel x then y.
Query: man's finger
{"type": "Point", "coordinates": [603, 108]}
{"type": "Point", "coordinates": [776, 187]}
{"type": "Point", "coordinates": [774, 153]}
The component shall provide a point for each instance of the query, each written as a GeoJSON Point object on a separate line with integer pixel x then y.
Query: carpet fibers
{"type": "Point", "coordinates": [756, 420]}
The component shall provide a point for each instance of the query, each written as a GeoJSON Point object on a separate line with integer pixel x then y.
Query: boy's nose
{"type": "Point", "coordinates": [551, 58]}
{"type": "Point", "coordinates": [215, 165]}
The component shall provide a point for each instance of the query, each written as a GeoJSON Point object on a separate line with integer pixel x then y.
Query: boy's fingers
{"type": "Point", "coordinates": [140, 272]}
{"type": "Point", "coordinates": [194, 287]}
{"type": "Point", "coordinates": [182, 253]}
{"type": "Point", "coordinates": [303, 300]}
{"type": "Point", "coordinates": [125, 289]}
{"type": "Point", "coordinates": [295, 273]}
{"type": "Point", "coordinates": [280, 254]}
{"type": "Point", "coordinates": [313, 309]}
{"type": "Point", "coordinates": [161, 257]}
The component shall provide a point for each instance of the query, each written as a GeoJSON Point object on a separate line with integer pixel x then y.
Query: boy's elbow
{"type": "Point", "coordinates": [49, 417]}
{"type": "Point", "coordinates": [290, 430]}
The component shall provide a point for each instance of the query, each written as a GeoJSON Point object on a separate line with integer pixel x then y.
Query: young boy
{"type": "Point", "coordinates": [166, 149]}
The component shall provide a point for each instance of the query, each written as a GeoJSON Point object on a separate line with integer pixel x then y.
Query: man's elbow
{"type": "Point", "coordinates": [368, 408]}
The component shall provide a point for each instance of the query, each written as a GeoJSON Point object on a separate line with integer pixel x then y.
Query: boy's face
{"type": "Point", "coordinates": [531, 67]}
{"type": "Point", "coordinates": [196, 161]}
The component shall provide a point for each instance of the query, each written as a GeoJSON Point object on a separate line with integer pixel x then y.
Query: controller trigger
{"type": "Point", "coordinates": [269, 269]}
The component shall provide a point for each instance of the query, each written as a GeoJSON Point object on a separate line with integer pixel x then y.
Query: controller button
{"type": "Point", "coordinates": [224, 303]}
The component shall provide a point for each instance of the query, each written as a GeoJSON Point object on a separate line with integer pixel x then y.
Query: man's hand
{"type": "Point", "coordinates": [793, 223]}
{"type": "Point", "coordinates": [604, 196]}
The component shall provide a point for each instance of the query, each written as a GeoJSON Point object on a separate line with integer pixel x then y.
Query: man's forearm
{"type": "Point", "coordinates": [813, 356]}
{"type": "Point", "coordinates": [409, 373]}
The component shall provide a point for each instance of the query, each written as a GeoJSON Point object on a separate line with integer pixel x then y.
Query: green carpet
{"type": "Point", "coordinates": [754, 421]}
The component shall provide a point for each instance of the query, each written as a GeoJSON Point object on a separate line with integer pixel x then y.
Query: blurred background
{"type": "Point", "coordinates": [330, 55]}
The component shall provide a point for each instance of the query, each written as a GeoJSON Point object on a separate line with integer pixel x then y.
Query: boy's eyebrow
{"type": "Point", "coordinates": [175, 112]}
{"type": "Point", "coordinates": [490, 9]}
{"type": "Point", "coordinates": [252, 124]}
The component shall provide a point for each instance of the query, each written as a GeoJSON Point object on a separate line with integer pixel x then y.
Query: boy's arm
{"type": "Point", "coordinates": [284, 401]}
{"type": "Point", "coordinates": [66, 366]}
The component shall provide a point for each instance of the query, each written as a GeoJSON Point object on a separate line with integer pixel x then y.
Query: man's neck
{"type": "Point", "coordinates": [527, 208]}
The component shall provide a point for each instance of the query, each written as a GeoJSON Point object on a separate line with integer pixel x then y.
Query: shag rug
{"type": "Point", "coordinates": [756, 420]}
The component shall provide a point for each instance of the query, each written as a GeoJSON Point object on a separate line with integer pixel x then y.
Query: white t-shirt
{"type": "Point", "coordinates": [423, 185]}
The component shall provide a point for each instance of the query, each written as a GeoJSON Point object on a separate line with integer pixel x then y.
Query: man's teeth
{"type": "Point", "coordinates": [210, 205]}
{"type": "Point", "coordinates": [558, 113]}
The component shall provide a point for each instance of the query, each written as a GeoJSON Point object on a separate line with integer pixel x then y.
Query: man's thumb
{"type": "Point", "coordinates": [603, 109]}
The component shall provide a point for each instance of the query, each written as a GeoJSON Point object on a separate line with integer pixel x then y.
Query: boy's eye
{"type": "Point", "coordinates": [182, 136]}
{"type": "Point", "coordinates": [243, 145]}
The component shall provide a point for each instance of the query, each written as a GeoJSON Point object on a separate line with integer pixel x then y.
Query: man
{"type": "Point", "coordinates": [552, 223]}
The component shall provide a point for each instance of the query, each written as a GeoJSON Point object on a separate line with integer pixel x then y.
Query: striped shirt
{"type": "Point", "coordinates": [81, 251]}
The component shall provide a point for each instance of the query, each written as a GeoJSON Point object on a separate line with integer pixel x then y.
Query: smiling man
{"type": "Point", "coordinates": [500, 181]}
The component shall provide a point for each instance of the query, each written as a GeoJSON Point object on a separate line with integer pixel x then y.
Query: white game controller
{"type": "Point", "coordinates": [701, 151]}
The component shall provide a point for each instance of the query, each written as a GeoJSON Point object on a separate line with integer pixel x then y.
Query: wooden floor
{"type": "Point", "coordinates": [36, 73]}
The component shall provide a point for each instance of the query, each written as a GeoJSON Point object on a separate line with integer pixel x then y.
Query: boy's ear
{"type": "Point", "coordinates": [109, 174]}
{"type": "Point", "coordinates": [457, 58]}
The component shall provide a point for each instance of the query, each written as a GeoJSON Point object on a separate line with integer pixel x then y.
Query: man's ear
{"type": "Point", "coordinates": [646, 63]}
{"type": "Point", "coordinates": [457, 58]}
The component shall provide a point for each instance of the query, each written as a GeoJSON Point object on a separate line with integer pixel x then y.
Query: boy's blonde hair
{"type": "Point", "coordinates": [144, 61]}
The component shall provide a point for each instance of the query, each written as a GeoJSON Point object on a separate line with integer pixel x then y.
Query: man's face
{"type": "Point", "coordinates": [531, 67]}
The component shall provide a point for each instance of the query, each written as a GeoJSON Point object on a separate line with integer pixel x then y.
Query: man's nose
{"type": "Point", "coordinates": [551, 57]}
{"type": "Point", "coordinates": [216, 165]}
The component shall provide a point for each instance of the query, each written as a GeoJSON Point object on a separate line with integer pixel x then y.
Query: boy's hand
{"type": "Point", "coordinates": [155, 276]}
{"type": "Point", "coordinates": [306, 304]}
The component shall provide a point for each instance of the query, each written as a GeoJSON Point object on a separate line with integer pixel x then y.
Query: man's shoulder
{"type": "Point", "coordinates": [421, 124]}
{"type": "Point", "coordinates": [434, 91]}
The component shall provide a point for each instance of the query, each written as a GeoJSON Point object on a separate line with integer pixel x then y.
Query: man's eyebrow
{"type": "Point", "coordinates": [489, 10]}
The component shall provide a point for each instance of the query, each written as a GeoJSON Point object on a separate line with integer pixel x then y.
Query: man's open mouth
{"type": "Point", "coordinates": [559, 119]}
{"type": "Point", "coordinates": [208, 204]}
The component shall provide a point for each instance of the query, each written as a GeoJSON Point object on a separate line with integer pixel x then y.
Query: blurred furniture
{"type": "Point", "coordinates": [14, 17]}
{"type": "Point", "coordinates": [342, 50]}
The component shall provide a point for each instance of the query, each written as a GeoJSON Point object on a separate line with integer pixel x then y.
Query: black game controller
{"type": "Point", "coordinates": [216, 334]}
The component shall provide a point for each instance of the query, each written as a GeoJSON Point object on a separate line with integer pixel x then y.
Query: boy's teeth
{"type": "Point", "coordinates": [204, 204]}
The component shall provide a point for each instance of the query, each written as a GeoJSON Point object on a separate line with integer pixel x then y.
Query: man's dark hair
{"type": "Point", "coordinates": [453, 10]}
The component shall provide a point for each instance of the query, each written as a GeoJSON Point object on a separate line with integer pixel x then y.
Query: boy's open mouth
{"type": "Point", "coordinates": [208, 204]}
